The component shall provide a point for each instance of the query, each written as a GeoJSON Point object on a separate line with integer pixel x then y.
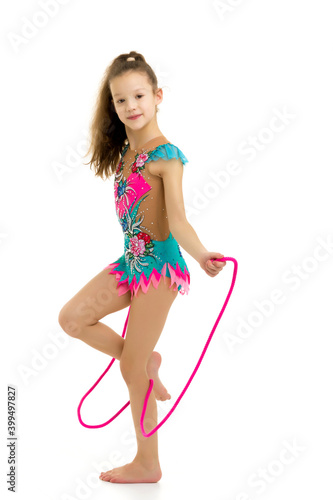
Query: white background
{"type": "Point", "coordinates": [227, 69]}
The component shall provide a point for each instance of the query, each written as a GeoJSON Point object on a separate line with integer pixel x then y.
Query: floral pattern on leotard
{"type": "Point", "coordinates": [145, 260]}
{"type": "Point", "coordinates": [127, 193]}
{"type": "Point", "coordinates": [137, 165]}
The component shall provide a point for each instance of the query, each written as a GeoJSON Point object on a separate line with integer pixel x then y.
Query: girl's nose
{"type": "Point", "coordinates": [130, 106]}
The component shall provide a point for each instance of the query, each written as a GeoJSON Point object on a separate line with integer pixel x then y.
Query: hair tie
{"type": "Point", "coordinates": [130, 59]}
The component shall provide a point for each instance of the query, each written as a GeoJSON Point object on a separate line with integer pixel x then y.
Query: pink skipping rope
{"type": "Point", "coordinates": [151, 380]}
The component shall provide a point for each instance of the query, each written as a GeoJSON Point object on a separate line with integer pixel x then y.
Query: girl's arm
{"type": "Point", "coordinates": [188, 239]}
{"type": "Point", "coordinates": [171, 172]}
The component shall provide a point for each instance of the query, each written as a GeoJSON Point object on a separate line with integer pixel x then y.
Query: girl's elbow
{"type": "Point", "coordinates": [177, 224]}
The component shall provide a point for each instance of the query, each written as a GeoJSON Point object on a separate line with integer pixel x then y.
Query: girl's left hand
{"type": "Point", "coordinates": [209, 265]}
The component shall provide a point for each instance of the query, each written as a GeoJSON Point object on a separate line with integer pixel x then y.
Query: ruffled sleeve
{"type": "Point", "coordinates": [167, 152]}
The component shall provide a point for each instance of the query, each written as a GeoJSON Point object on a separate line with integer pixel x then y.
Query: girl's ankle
{"type": "Point", "coordinates": [149, 462]}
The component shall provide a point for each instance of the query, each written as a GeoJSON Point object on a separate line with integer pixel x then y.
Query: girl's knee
{"type": "Point", "coordinates": [70, 322]}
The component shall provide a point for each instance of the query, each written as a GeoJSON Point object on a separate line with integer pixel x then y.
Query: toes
{"type": "Point", "coordinates": [164, 397]}
{"type": "Point", "coordinates": [105, 476]}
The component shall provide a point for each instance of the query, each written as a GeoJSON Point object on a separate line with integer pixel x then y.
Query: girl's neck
{"type": "Point", "coordinates": [139, 139]}
{"type": "Point", "coordinates": [145, 145]}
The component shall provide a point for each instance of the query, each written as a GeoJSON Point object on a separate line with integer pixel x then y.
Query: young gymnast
{"type": "Point", "coordinates": [126, 142]}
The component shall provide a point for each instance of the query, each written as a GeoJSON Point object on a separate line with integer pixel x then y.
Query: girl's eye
{"type": "Point", "coordinates": [139, 95]}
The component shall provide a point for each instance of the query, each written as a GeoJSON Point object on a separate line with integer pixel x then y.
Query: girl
{"type": "Point", "coordinates": [127, 142]}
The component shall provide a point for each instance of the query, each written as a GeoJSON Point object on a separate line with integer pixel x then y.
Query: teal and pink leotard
{"type": "Point", "coordinates": [150, 250]}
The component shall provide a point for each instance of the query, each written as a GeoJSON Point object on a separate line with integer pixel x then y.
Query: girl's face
{"type": "Point", "coordinates": [133, 95]}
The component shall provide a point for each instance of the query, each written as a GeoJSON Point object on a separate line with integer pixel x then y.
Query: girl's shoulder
{"type": "Point", "coordinates": [166, 151]}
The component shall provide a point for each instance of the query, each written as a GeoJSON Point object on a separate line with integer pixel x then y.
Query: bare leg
{"type": "Point", "coordinates": [80, 319]}
{"type": "Point", "coordinates": [148, 315]}
{"type": "Point", "coordinates": [98, 298]}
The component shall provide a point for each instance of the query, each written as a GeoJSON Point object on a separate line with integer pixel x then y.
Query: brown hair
{"type": "Point", "coordinates": [108, 133]}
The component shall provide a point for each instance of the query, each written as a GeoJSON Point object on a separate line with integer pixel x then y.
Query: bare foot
{"type": "Point", "coordinates": [134, 472]}
{"type": "Point", "coordinates": [153, 365]}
